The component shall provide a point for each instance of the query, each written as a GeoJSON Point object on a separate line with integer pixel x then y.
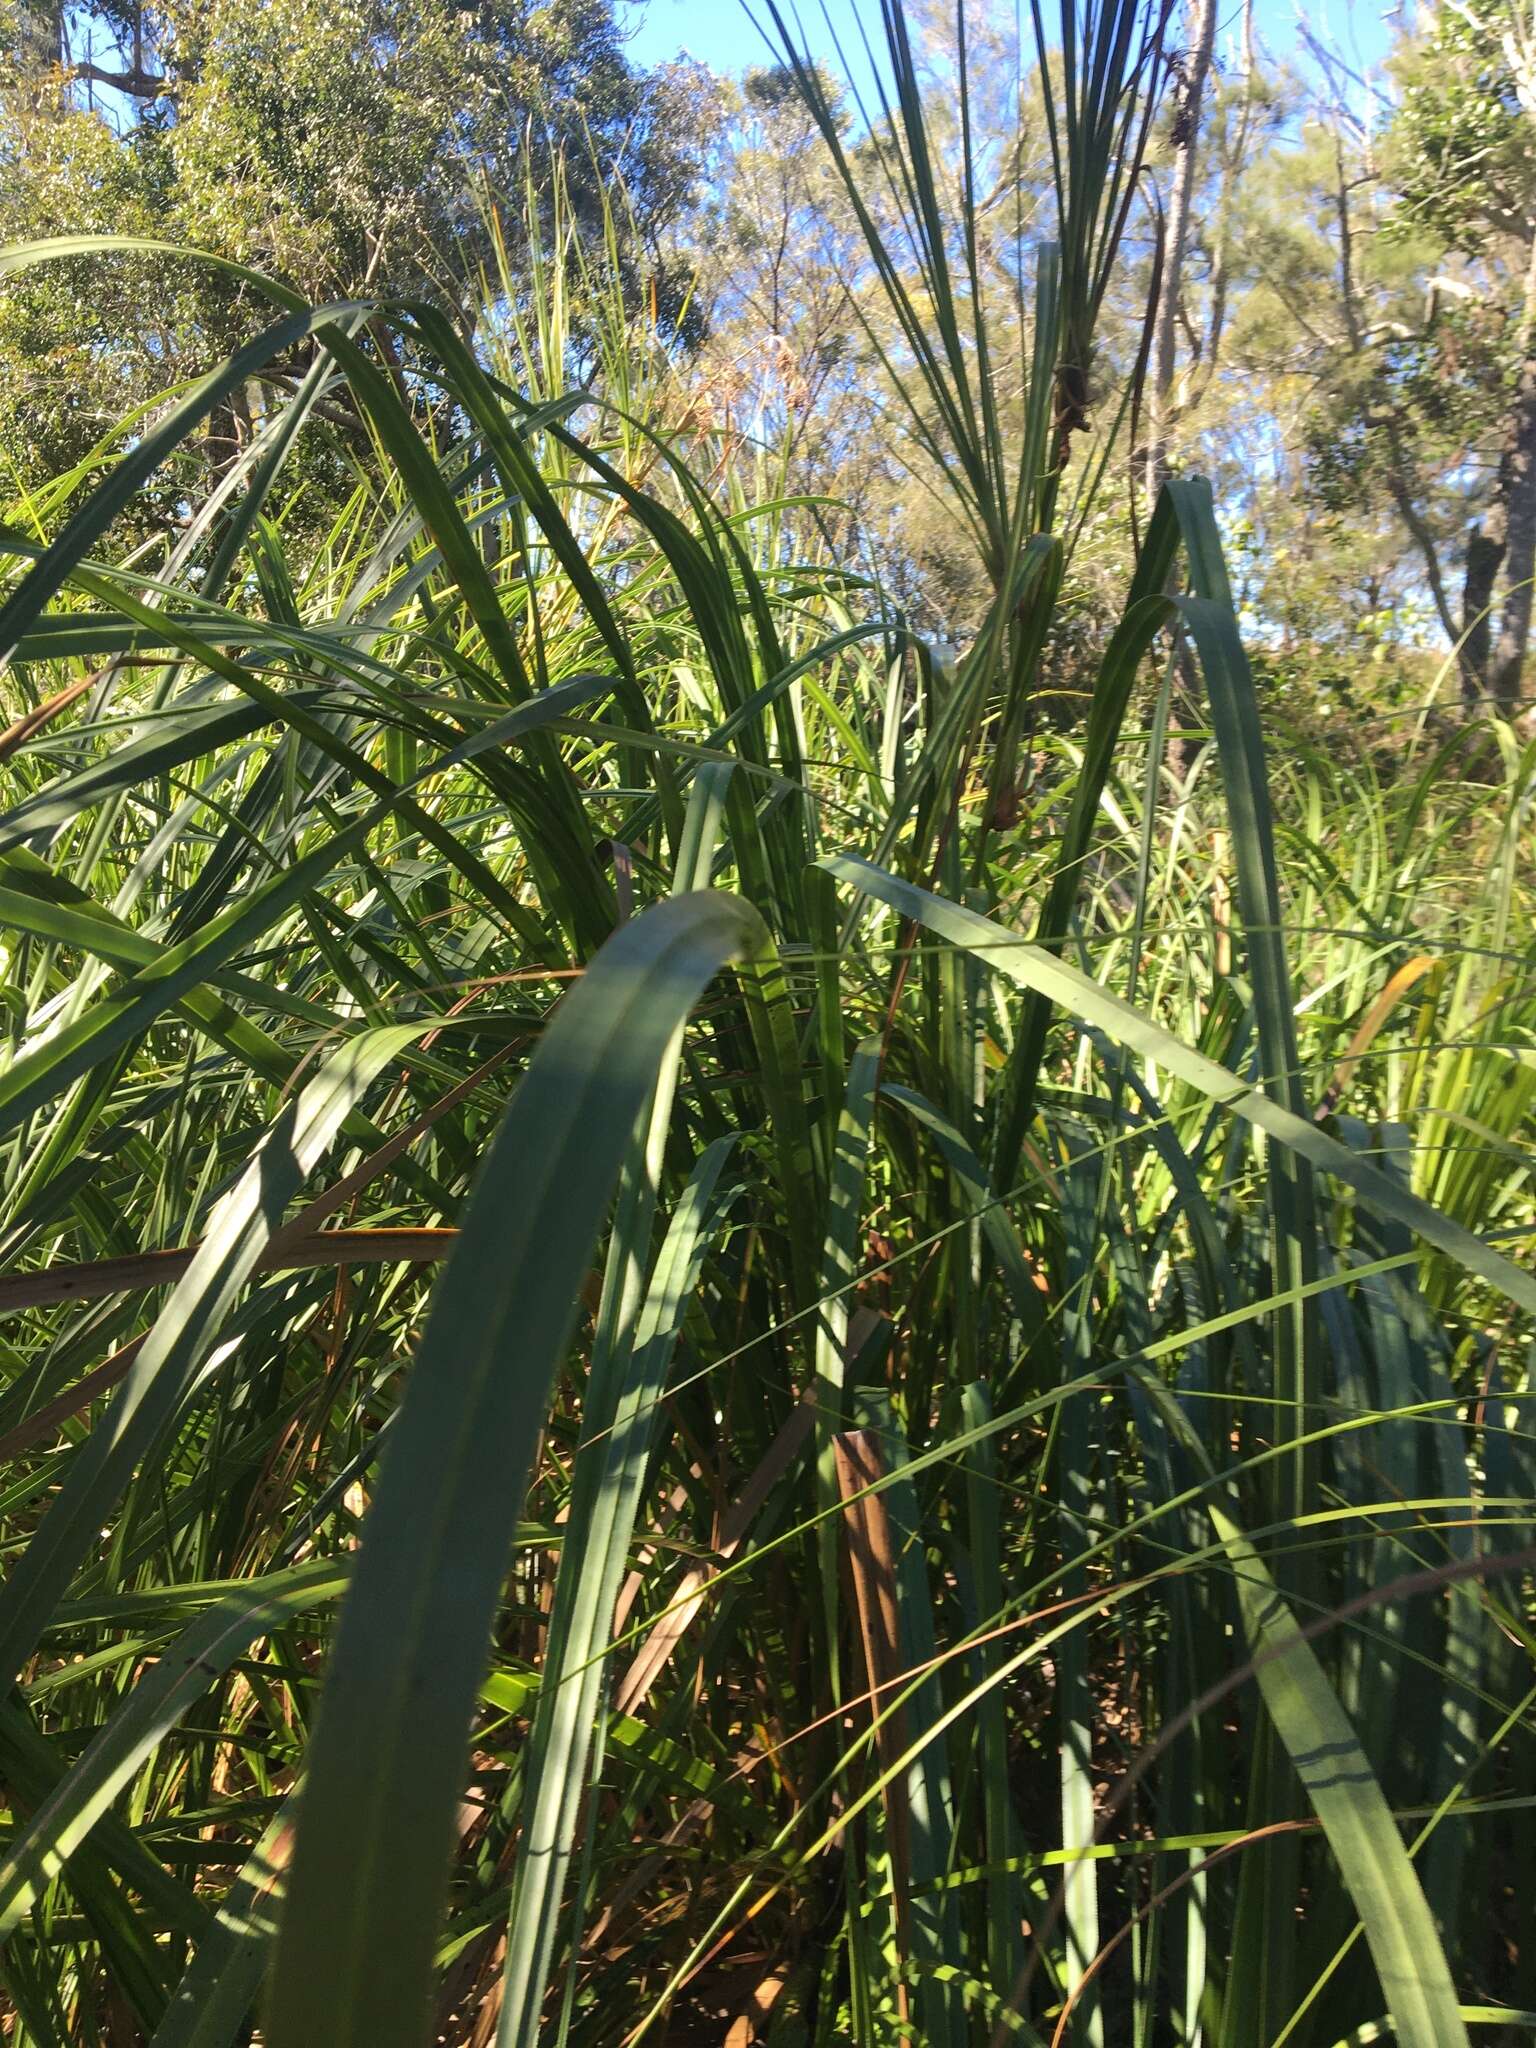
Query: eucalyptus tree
{"type": "Point", "coordinates": [350, 149]}
{"type": "Point", "coordinates": [1465, 167]}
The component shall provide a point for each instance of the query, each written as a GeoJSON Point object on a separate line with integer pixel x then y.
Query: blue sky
{"type": "Point", "coordinates": [719, 33]}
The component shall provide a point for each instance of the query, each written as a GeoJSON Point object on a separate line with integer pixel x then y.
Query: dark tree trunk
{"type": "Point", "coordinates": [1485, 551]}
{"type": "Point", "coordinates": [1505, 540]}
{"type": "Point", "coordinates": [1519, 545]}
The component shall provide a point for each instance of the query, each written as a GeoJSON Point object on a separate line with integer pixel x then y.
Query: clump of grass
{"type": "Point", "coordinates": [659, 1371]}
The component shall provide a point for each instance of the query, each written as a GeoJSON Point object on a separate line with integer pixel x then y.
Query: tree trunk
{"type": "Point", "coordinates": [1485, 551]}
{"type": "Point", "coordinates": [1201, 20]}
{"type": "Point", "coordinates": [1519, 460]}
{"type": "Point", "coordinates": [1505, 539]}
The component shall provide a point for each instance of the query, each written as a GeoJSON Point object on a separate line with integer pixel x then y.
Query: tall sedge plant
{"type": "Point", "coordinates": [947, 356]}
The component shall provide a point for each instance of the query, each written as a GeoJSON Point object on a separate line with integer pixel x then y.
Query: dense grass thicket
{"type": "Point", "coordinates": [704, 1336]}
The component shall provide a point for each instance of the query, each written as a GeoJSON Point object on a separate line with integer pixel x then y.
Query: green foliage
{"type": "Point", "coordinates": [659, 1365]}
{"type": "Point", "coordinates": [347, 149]}
{"type": "Point", "coordinates": [1463, 141]}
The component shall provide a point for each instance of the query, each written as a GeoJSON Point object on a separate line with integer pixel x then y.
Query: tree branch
{"type": "Point", "coordinates": [136, 83]}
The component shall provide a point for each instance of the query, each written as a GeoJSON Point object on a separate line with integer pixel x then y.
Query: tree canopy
{"type": "Point", "coordinates": [351, 149]}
